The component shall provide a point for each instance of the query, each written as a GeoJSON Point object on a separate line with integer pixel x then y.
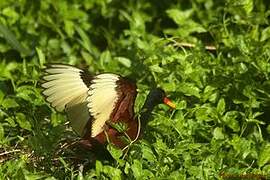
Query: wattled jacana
{"type": "Point", "coordinates": [94, 103]}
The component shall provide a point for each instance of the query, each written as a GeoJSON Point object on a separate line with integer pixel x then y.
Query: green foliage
{"type": "Point", "coordinates": [220, 126]}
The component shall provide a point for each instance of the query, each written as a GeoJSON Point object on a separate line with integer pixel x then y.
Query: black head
{"type": "Point", "coordinates": [157, 96]}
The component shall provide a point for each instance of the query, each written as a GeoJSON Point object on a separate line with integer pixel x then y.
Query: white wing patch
{"type": "Point", "coordinates": [65, 89]}
{"type": "Point", "coordinates": [63, 85]}
{"type": "Point", "coordinates": [102, 100]}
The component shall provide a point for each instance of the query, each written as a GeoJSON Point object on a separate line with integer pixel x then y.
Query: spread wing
{"type": "Point", "coordinates": [88, 100]}
{"type": "Point", "coordinates": [65, 88]}
{"type": "Point", "coordinates": [102, 98]}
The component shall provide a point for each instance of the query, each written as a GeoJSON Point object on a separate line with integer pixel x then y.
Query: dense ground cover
{"type": "Point", "coordinates": [221, 126]}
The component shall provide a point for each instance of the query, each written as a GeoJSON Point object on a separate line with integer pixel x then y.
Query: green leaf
{"type": "Point", "coordinates": [105, 58]}
{"type": "Point", "coordinates": [9, 103]}
{"type": "Point", "coordinates": [148, 154]}
{"type": "Point", "coordinates": [230, 119]}
{"type": "Point", "coordinates": [41, 57]}
{"type": "Point", "coordinates": [29, 93]}
{"type": "Point", "coordinates": [115, 152]}
{"type": "Point", "coordinates": [6, 70]}
{"type": "Point", "coordinates": [119, 126]}
{"type": "Point", "coordinates": [181, 105]}
{"type": "Point", "coordinates": [156, 68]}
{"type": "Point", "coordinates": [11, 13]}
{"type": "Point", "coordinates": [210, 94]}
{"type": "Point", "coordinates": [189, 89]}
{"type": "Point", "coordinates": [186, 24]}
{"type": "Point", "coordinates": [179, 17]}
{"type": "Point", "coordinates": [1, 133]}
{"type": "Point", "coordinates": [241, 7]}
{"type": "Point", "coordinates": [204, 113]}
{"type": "Point", "coordinates": [99, 168]}
{"type": "Point", "coordinates": [69, 28]}
{"type": "Point", "coordinates": [265, 34]}
{"type": "Point", "coordinates": [264, 157]}
{"type": "Point", "coordinates": [2, 95]}
{"type": "Point", "coordinates": [57, 119]}
{"type": "Point", "coordinates": [242, 146]}
{"type": "Point", "coordinates": [221, 106]}
{"type": "Point", "coordinates": [218, 133]}
{"type": "Point", "coordinates": [11, 121]}
{"type": "Point", "coordinates": [12, 40]}
{"type": "Point", "coordinates": [124, 61]}
{"type": "Point", "coordinates": [22, 121]}
{"type": "Point", "coordinates": [137, 169]}
{"type": "Point", "coordinates": [85, 42]}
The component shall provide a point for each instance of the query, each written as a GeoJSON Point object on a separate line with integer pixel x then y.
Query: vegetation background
{"type": "Point", "coordinates": [221, 126]}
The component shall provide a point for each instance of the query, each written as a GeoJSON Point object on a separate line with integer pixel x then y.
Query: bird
{"type": "Point", "coordinates": [95, 103]}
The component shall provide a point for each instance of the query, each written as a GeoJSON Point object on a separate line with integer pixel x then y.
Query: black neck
{"type": "Point", "coordinates": [146, 111]}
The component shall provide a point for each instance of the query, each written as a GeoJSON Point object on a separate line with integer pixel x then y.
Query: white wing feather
{"type": "Point", "coordinates": [65, 89]}
{"type": "Point", "coordinates": [102, 100]}
{"type": "Point", "coordinates": [63, 85]}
